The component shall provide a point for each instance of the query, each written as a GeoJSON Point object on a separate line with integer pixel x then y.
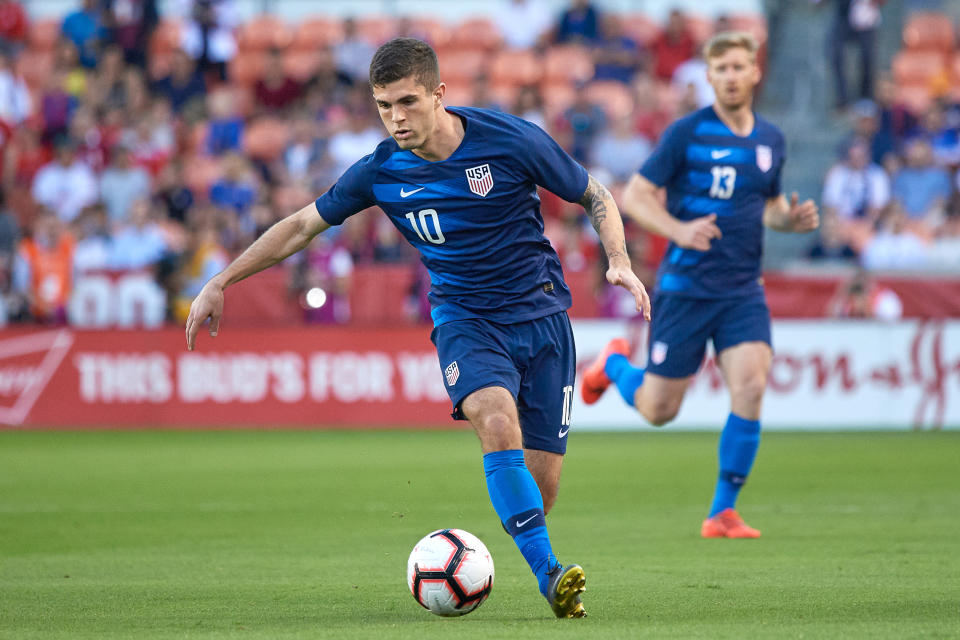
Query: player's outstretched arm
{"type": "Point", "coordinates": [605, 217]}
{"type": "Point", "coordinates": [279, 241]}
{"type": "Point", "coordinates": [642, 204]}
{"type": "Point", "coordinates": [792, 216]}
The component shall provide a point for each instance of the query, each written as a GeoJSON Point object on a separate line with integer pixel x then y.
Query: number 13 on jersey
{"type": "Point", "coordinates": [724, 179]}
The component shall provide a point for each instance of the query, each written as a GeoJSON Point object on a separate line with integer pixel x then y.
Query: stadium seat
{"type": "Point", "coordinates": [516, 67]}
{"type": "Point", "coordinates": [505, 94]}
{"type": "Point", "coordinates": [558, 95]}
{"type": "Point", "coordinates": [569, 63]}
{"type": "Point", "coordinates": [376, 29]}
{"type": "Point", "coordinates": [247, 67]}
{"type": "Point", "coordinates": [929, 31]}
{"type": "Point", "coordinates": [300, 65]}
{"type": "Point", "coordinates": [915, 97]}
{"type": "Point", "coordinates": [640, 27]}
{"type": "Point", "coordinates": [462, 66]}
{"type": "Point", "coordinates": [753, 23]}
{"type": "Point", "coordinates": [476, 33]}
{"type": "Point", "coordinates": [434, 30]}
{"type": "Point", "coordinates": [264, 139]}
{"type": "Point", "coordinates": [44, 34]}
{"type": "Point", "coordinates": [35, 67]}
{"type": "Point", "coordinates": [911, 67]}
{"type": "Point", "coordinates": [316, 33]}
{"type": "Point", "coordinates": [291, 197]}
{"type": "Point", "coordinates": [263, 32]}
{"type": "Point", "coordinates": [611, 96]}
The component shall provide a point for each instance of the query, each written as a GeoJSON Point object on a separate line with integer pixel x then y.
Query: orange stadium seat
{"type": "Point", "coordinates": [917, 67]}
{"type": "Point", "coordinates": [462, 66]}
{"type": "Point", "coordinates": [264, 32]}
{"type": "Point", "coordinates": [376, 29]}
{"type": "Point", "coordinates": [476, 33]}
{"type": "Point", "coordinates": [558, 95]}
{"type": "Point", "coordinates": [915, 97]}
{"type": "Point", "coordinates": [753, 23]}
{"type": "Point", "coordinates": [316, 33]}
{"type": "Point", "coordinates": [458, 94]}
{"type": "Point", "coordinates": [612, 96]}
{"type": "Point", "coordinates": [571, 63]}
{"type": "Point", "coordinates": [300, 65]}
{"type": "Point", "coordinates": [434, 30]}
{"type": "Point", "coordinates": [265, 138]}
{"type": "Point", "coordinates": [505, 94]}
{"type": "Point", "coordinates": [35, 67]}
{"type": "Point", "coordinates": [291, 197]}
{"type": "Point", "coordinates": [516, 67]}
{"type": "Point", "coordinates": [247, 67]}
{"type": "Point", "coordinates": [165, 38]}
{"type": "Point", "coordinates": [44, 34]}
{"type": "Point", "coordinates": [640, 27]}
{"type": "Point", "coordinates": [927, 30]}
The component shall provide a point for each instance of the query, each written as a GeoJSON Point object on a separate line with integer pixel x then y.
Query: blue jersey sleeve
{"type": "Point", "coordinates": [667, 159]}
{"type": "Point", "coordinates": [550, 166]}
{"type": "Point", "coordinates": [351, 194]}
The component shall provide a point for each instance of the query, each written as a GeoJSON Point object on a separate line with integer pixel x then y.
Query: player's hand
{"type": "Point", "coordinates": [208, 304]}
{"type": "Point", "coordinates": [623, 276]}
{"type": "Point", "coordinates": [698, 233]}
{"type": "Point", "coordinates": [804, 216]}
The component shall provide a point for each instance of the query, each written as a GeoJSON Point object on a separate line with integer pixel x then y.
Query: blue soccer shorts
{"type": "Point", "coordinates": [681, 327]}
{"type": "Point", "coordinates": [534, 360]}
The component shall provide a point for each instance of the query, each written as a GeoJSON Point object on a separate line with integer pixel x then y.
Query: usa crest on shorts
{"type": "Point", "coordinates": [658, 353]}
{"type": "Point", "coordinates": [480, 180]}
{"type": "Point", "coordinates": [764, 157]}
{"type": "Point", "coordinates": [452, 372]}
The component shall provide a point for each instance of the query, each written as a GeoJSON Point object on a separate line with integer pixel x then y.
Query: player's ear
{"type": "Point", "coordinates": [438, 94]}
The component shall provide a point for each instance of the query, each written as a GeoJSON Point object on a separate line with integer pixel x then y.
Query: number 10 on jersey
{"type": "Point", "coordinates": [419, 223]}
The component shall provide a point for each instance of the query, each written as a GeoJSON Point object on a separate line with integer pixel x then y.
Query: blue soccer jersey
{"type": "Point", "coordinates": [706, 168]}
{"type": "Point", "coordinates": [474, 217]}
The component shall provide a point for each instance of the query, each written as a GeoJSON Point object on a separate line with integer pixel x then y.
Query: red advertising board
{"type": "Point", "coordinates": [244, 377]}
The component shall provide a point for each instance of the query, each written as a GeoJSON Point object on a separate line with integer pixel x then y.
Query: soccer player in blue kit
{"type": "Point", "coordinates": [721, 170]}
{"type": "Point", "coordinates": [460, 185]}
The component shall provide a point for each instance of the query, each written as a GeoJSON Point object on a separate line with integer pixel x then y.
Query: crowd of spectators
{"type": "Point", "coordinates": [171, 158]}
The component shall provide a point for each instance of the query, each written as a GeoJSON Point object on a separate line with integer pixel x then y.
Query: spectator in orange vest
{"type": "Point", "coordinates": [45, 266]}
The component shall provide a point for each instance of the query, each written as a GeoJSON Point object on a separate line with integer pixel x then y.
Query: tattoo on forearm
{"type": "Point", "coordinates": [594, 200]}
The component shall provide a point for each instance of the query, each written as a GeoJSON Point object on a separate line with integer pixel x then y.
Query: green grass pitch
{"type": "Point", "coordinates": [292, 534]}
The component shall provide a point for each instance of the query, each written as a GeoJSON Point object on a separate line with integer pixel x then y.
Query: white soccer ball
{"type": "Point", "coordinates": [450, 572]}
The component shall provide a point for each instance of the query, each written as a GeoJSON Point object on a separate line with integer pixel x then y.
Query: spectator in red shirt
{"type": "Point", "coordinates": [276, 91]}
{"type": "Point", "coordinates": [13, 23]}
{"type": "Point", "coordinates": [673, 47]}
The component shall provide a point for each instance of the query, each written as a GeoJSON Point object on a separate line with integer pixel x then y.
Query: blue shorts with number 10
{"type": "Point", "coordinates": [682, 325]}
{"type": "Point", "coordinates": [534, 360]}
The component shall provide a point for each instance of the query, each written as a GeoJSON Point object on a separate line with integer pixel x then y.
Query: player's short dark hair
{"type": "Point", "coordinates": [404, 57]}
{"type": "Point", "coordinates": [723, 42]}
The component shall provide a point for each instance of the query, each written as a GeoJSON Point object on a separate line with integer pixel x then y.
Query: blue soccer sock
{"type": "Point", "coordinates": [627, 377]}
{"type": "Point", "coordinates": [517, 501]}
{"type": "Point", "coordinates": [737, 449]}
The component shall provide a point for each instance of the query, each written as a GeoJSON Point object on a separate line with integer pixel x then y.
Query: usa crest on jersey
{"type": "Point", "coordinates": [764, 157]}
{"type": "Point", "coordinates": [480, 179]}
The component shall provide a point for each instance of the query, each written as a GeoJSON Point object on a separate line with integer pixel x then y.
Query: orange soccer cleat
{"type": "Point", "coordinates": [727, 524]}
{"type": "Point", "coordinates": [595, 380]}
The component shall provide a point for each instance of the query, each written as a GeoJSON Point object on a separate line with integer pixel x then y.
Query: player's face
{"type": "Point", "coordinates": [733, 76]}
{"type": "Point", "coordinates": [408, 110]}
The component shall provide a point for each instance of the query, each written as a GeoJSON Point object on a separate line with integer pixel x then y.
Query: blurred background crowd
{"type": "Point", "coordinates": [163, 143]}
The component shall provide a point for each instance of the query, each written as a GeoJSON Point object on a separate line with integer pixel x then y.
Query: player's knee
{"type": "Point", "coordinates": [749, 392]}
{"type": "Point", "coordinates": [660, 412]}
{"type": "Point", "coordinates": [498, 431]}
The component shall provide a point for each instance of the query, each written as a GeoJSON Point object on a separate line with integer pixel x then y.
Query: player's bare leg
{"type": "Point", "coordinates": [545, 468]}
{"type": "Point", "coordinates": [659, 398]}
{"type": "Point", "coordinates": [745, 367]}
{"type": "Point", "coordinates": [516, 496]}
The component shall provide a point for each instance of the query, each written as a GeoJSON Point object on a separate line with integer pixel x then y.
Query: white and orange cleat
{"type": "Point", "coordinates": [727, 524]}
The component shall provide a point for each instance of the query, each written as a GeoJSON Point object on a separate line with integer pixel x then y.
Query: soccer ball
{"type": "Point", "coordinates": [450, 572]}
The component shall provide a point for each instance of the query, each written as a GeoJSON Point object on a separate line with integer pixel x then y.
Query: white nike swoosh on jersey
{"type": "Point", "coordinates": [563, 432]}
{"type": "Point", "coordinates": [520, 524]}
{"type": "Point", "coordinates": [717, 154]}
{"type": "Point", "coordinates": [404, 194]}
